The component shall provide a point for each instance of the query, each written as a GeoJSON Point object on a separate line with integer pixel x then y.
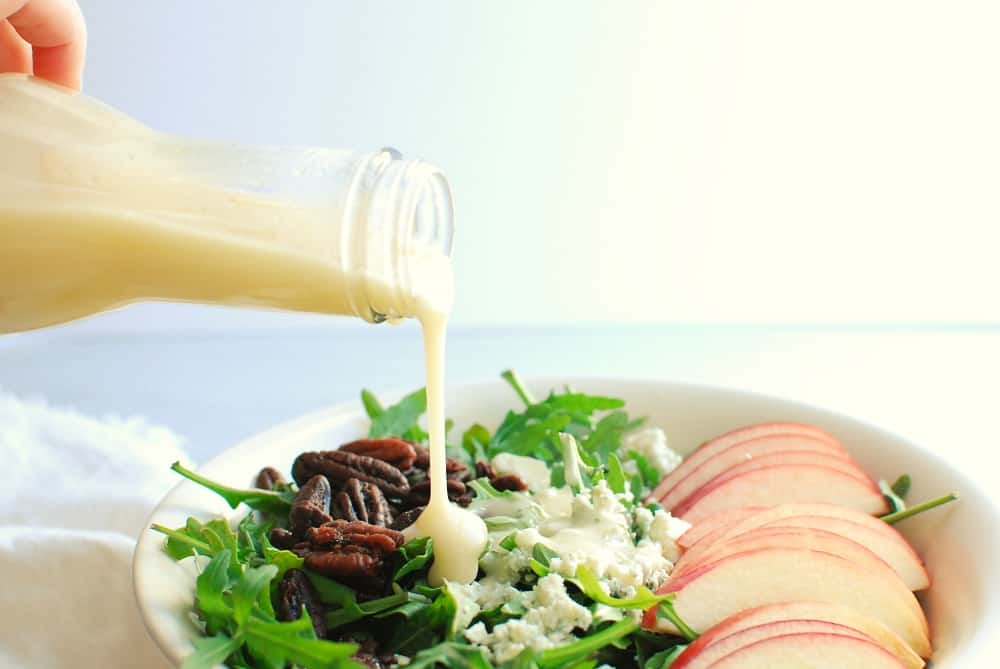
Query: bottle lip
{"type": "Point", "coordinates": [410, 210]}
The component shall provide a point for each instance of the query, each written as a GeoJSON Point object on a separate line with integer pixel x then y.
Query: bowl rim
{"type": "Point", "coordinates": [315, 421]}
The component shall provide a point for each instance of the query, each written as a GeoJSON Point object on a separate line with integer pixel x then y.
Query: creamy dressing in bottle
{"type": "Point", "coordinates": [97, 211]}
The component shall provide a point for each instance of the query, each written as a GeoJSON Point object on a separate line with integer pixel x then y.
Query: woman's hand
{"type": "Point", "coordinates": [46, 38]}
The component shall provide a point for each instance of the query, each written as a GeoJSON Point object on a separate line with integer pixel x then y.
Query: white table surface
{"type": "Point", "coordinates": [936, 386]}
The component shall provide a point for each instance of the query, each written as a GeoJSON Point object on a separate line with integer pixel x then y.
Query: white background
{"type": "Point", "coordinates": [764, 161]}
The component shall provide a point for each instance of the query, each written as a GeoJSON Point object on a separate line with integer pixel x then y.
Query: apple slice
{"type": "Point", "coordinates": [781, 484]}
{"type": "Point", "coordinates": [741, 452]}
{"type": "Point", "coordinates": [815, 650]}
{"type": "Point", "coordinates": [703, 656]}
{"type": "Point", "coordinates": [806, 610]}
{"type": "Point", "coordinates": [718, 444]}
{"type": "Point", "coordinates": [708, 595]}
{"type": "Point", "coordinates": [788, 537]}
{"type": "Point", "coordinates": [723, 466]}
{"type": "Point", "coordinates": [883, 539]}
{"type": "Point", "coordinates": [716, 522]}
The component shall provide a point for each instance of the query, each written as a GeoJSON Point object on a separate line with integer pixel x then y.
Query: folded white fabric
{"type": "Point", "coordinates": [76, 492]}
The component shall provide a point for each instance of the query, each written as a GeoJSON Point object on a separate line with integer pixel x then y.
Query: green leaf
{"type": "Point", "coordinates": [579, 650]}
{"type": "Point", "coordinates": [667, 611]}
{"type": "Point", "coordinates": [589, 584]}
{"type": "Point", "coordinates": [892, 499]}
{"type": "Point", "coordinates": [424, 627]}
{"type": "Point", "coordinates": [417, 555]}
{"type": "Point", "coordinates": [511, 377]}
{"type": "Point", "coordinates": [585, 404]}
{"type": "Point", "coordinates": [475, 441]}
{"type": "Point", "coordinates": [607, 435]}
{"type": "Point", "coordinates": [210, 593]}
{"type": "Point", "coordinates": [272, 501]}
{"type": "Point", "coordinates": [665, 658]}
{"type": "Point", "coordinates": [372, 406]}
{"type": "Point", "coordinates": [402, 419]}
{"type": "Point", "coordinates": [902, 486]}
{"type": "Point", "coordinates": [903, 514]}
{"type": "Point", "coordinates": [351, 611]}
{"type": "Point", "coordinates": [649, 473]}
{"type": "Point", "coordinates": [616, 475]}
{"type": "Point", "coordinates": [209, 652]}
{"type": "Point", "coordinates": [248, 590]}
{"type": "Point", "coordinates": [278, 644]}
{"type": "Point", "coordinates": [451, 655]}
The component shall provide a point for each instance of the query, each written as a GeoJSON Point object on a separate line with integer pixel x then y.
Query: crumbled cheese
{"type": "Point", "coordinates": [665, 530]}
{"type": "Point", "coordinates": [532, 471]}
{"type": "Point", "coordinates": [652, 445]}
{"type": "Point", "coordinates": [550, 622]}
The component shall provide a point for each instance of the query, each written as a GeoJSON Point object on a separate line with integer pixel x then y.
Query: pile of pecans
{"type": "Point", "coordinates": [346, 517]}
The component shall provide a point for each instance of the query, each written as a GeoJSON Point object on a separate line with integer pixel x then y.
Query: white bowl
{"type": "Point", "coordinates": [960, 543]}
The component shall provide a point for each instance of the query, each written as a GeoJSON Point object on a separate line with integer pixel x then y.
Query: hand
{"type": "Point", "coordinates": [46, 38]}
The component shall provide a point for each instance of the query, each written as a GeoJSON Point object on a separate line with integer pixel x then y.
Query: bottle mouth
{"type": "Point", "coordinates": [410, 232]}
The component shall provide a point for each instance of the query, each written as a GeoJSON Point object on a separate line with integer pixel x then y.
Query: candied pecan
{"type": "Point", "coordinates": [296, 591]}
{"type": "Point", "coordinates": [311, 506]}
{"type": "Point", "coordinates": [484, 470]}
{"type": "Point", "coordinates": [453, 469]}
{"type": "Point", "coordinates": [508, 482]}
{"type": "Point", "coordinates": [361, 501]}
{"type": "Point", "coordinates": [343, 533]}
{"type": "Point", "coordinates": [268, 478]}
{"type": "Point", "coordinates": [369, 656]}
{"type": "Point", "coordinates": [407, 518]}
{"type": "Point", "coordinates": [351, 551]}
{"type": "Point", "coordinates": [282, 538]}
{"type": "Point", "coordinates": [339, 466]}
{"type": "Point", "coordinates": [420, 494]}
{"type": "Point", "coordinates": [397, 452]}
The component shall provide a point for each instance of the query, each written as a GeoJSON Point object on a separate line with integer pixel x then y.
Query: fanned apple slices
{"type": "Point", "coordinates": [763, 465]}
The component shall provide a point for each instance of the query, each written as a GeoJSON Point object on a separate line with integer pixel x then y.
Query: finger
{"type": "Point", "coordinates": [15, 53]}
{"type": "Point", "coordinates": [58, 38]}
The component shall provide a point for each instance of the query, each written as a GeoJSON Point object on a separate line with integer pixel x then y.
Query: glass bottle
{"type": "Point", "coordinates": [97, 211]}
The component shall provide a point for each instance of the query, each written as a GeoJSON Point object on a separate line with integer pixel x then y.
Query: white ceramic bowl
{"type": "Point", "coordinates": [960, 542]}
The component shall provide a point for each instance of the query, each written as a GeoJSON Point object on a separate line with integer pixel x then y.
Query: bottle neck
{"type": "Point", "coordinates": [398, 237]}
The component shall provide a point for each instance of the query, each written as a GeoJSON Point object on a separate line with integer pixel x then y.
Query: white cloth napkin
{"type": "Point", "coordinates": [75, 493]}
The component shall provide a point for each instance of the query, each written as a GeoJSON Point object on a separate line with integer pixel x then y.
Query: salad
{"type": "Point", "coordinates": [605, 549]}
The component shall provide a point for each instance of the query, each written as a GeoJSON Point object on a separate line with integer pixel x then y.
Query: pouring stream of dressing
{"type": "Point", "coordinates": [459, 535]}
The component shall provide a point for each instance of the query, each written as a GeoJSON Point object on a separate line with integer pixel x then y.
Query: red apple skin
{"type": "Point", "coordinates": [787, 537]}
{"type": "Point", "coordinates": [837, 462]}
{"type": "Point", "coordinates": [733, 437]}
{"type": "Point", "coordinates": [701, 655]}
{"type": "Point", "coordinates": [713, 592]}
{"type": "Point", "coordinates": [817, 651]}
{"type": "Point", "coordinates": [743, 452]}
{"type": "Point", "coordinates": [885, 542]}
{"type": "Point", "coordinates": [716, 522]}
{"type": "Point", "coordinates": [815, 611]}
{"type": "Point", "coordinates": [782, 484]}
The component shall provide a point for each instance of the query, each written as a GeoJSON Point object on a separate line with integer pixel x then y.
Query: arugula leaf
{"type": "Point", "coordinates": [607, 434]}
{"type": "Point", "coordinates": [417, 555]}
{"type": "Point", "coordinates": [197, 538]}
{"type": "Point", "coordinates": [665, 658]}
{"type": "Point", "coordinates": [249, 589]}
{"type": "Point", "coordinates": [903, 514]}
{"type": "Point", "coordinates": [210, 652]}
{"type": "Point", "coordinates": [902, 486]}
{"type": "Point", "coordinates": [511, 377]}
{"type": "Point", "coordinates": [272, 501]}
{"type": "Point", "coordinates": [541, 559]}
{"type": "Point", "coordinates": [644, 598]}
{"type": "Point", "coordinates": [616, 475]}
{"type": "Point", "coordinates": [372, 406]}
{"type": "Point", "coordinates": [650, 476]}
{"type": "Point", "coordinates": [350, 611]}
{"type": "Point", "coordinates": [579, 650]}
{"type": "Point", "coordinates": [279, 643]}
{"type": "Point", "coordinates": [474, 442]}
{"type": "Point", "coordinates": [425, 626]}
{"type": "Point", "coordinates": [896, 504]}
{"type": "Point", "coordinates": [400, 419]}
{"type": "Point", "coordinates": [210, 588]}
{"type": "Point", "coordinates": [452, 655]}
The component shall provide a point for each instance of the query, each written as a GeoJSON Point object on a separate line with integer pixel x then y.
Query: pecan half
{"type": "Point", "coordinates": [296, 591]}
{"type": "Point", "coordinates": [397, 452]}
{"type": "Point", "coordinates": [420, 493]}
{"type": "Point", "coordinates": [311, 506]}
{"type": "Point", "coordinates": [351, 551]}
{"type": "Point", "coordinates": [339, 466]}
{"type": "Point", "coordinates": [407, 518]}
{"type": "Point", "coordinates": [282, 538]}
{"type": "Point", "coordinates": [453, 469]}
{"type": "Point", "coordinates": [501, 483]}
{"type": "Point", "coordinates": [361, 501]}
{"type": "Point", "coordinates": [268, 478]}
